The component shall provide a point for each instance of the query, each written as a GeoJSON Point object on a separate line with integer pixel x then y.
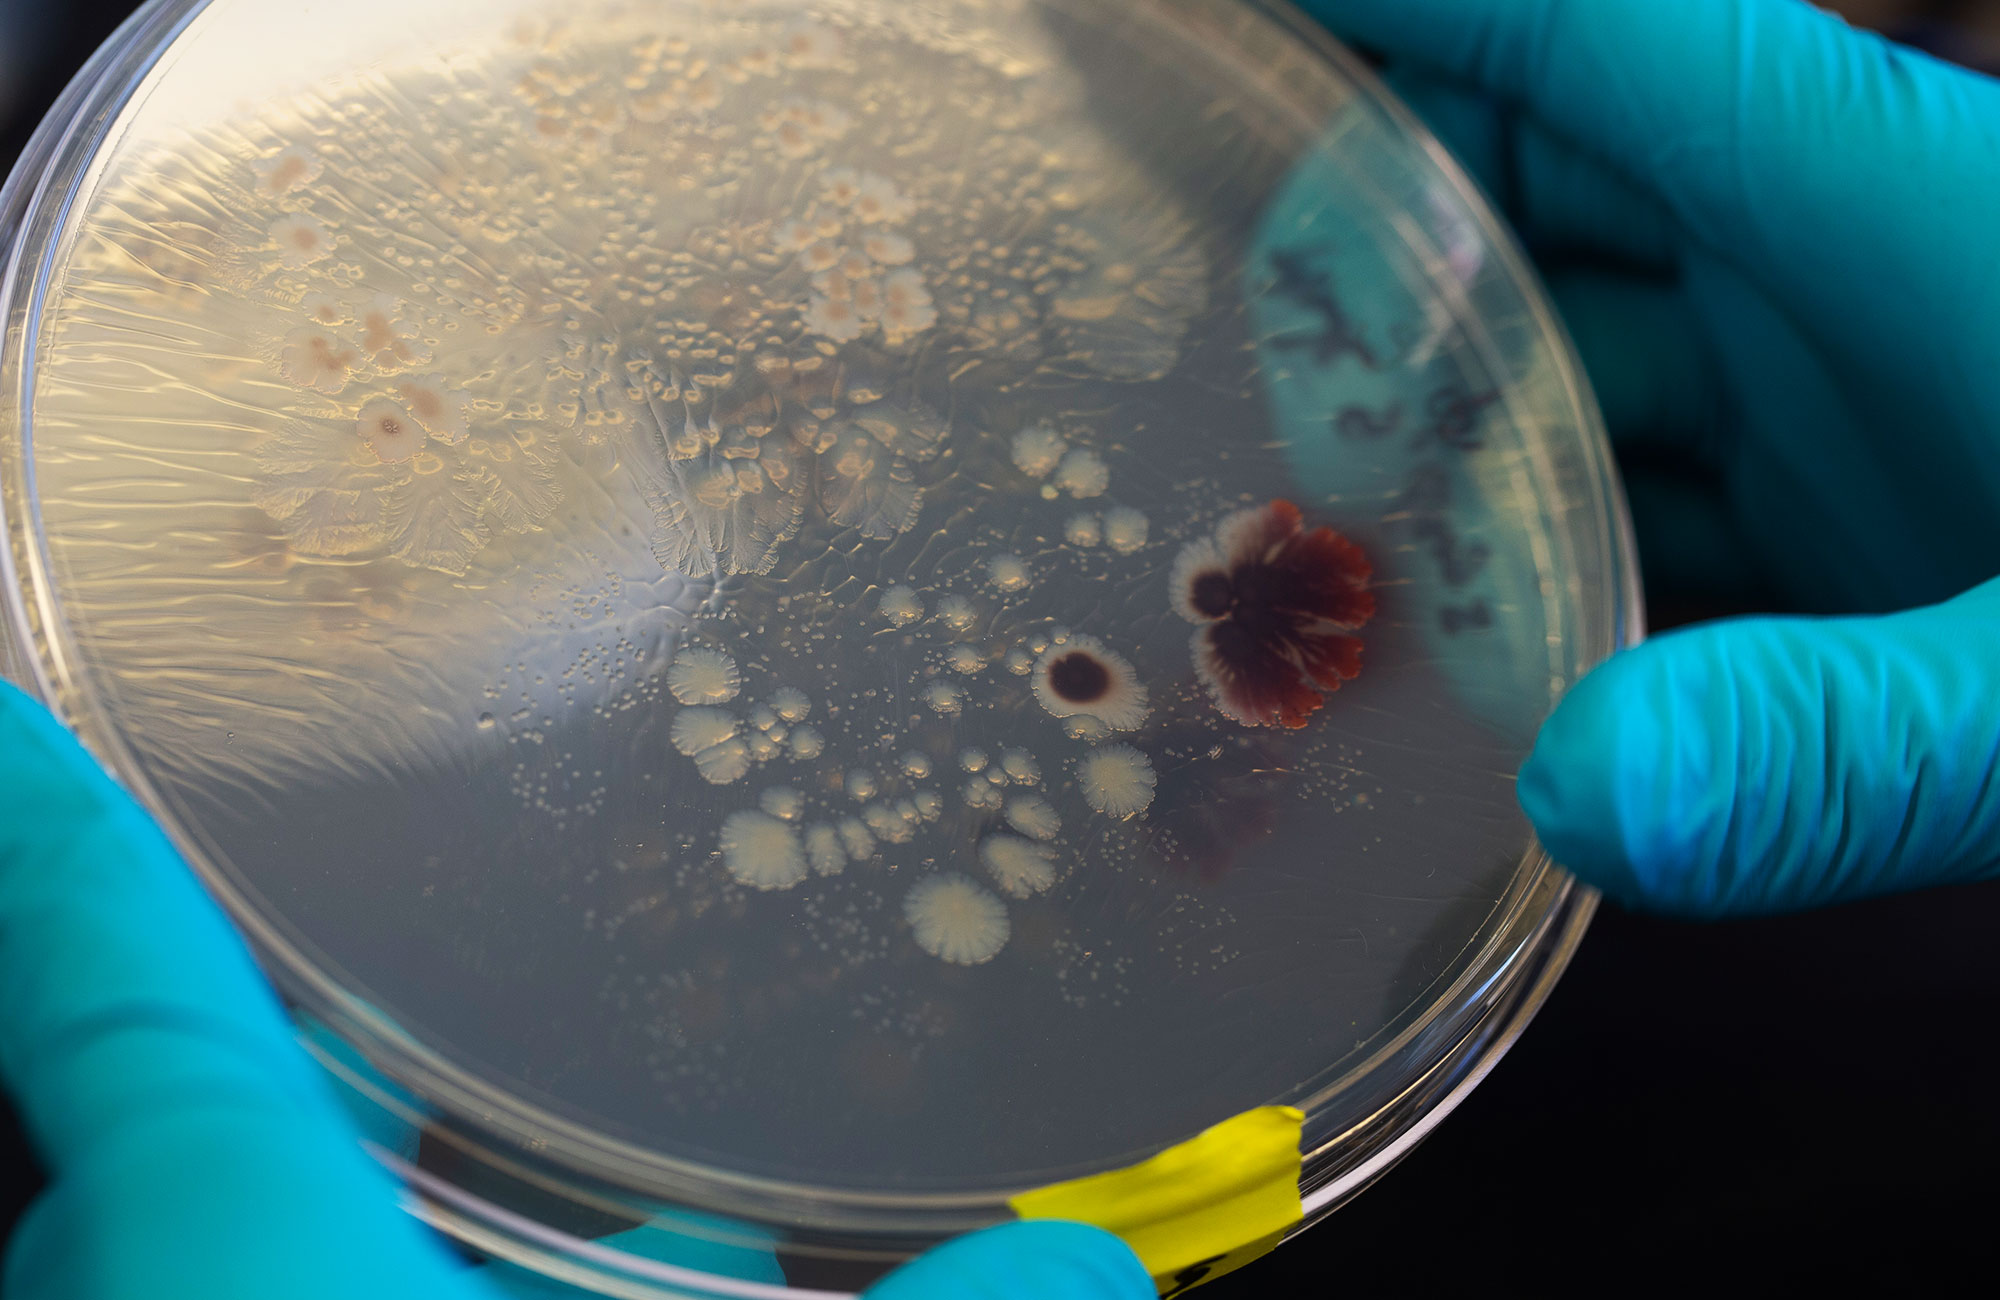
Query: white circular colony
{"type": "Point", "coordinates": [1038, 449]}
{"type": "Point", "coordinates": [1125, 530]}
{"type": "Point", "coordinates": [762, 852]}
{"type": "Point", "coordinates": [1079, 677]}
{"type": "Point", "coordinates": [1033, 816]}
{"type": "Point", "coordinates": [1117, 780]}
{"type": "Point", "coordinates": [1082, 474]}
{"type": "Point", "coordinates": [703, 675]}
{"type": "Point", "coordinates": [954, 919]}
{"type": "Point", "coordinates": [901, 606]}
{"type": "Point", "coordinates": [1020, 868]}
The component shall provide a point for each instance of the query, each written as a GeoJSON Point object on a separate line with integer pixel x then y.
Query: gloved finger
{"type": "Point", "coordinates": [1805, 462]}
{"type": "Point", "coordinates": [1647, 357]}
{"type": "Point", "coordinates": [123, 991]}
{"type": "Point", "coordinates": [381, 1110]}
{"type": "Point", "coordinates": [705, 1244]}
{"type": "Point", "coordinates": [1559, 199]}
{"type": "Point", "coordinates": [186, 1133]}
{"type": "Point", "coordinates": [1046, 1258]}
{"type": "Point", "coordinates": [1703, 103]}
{"type": "Point", "coordinates": [228, 1203]}
{"type": "Point", "coordinates": [1766, 765]}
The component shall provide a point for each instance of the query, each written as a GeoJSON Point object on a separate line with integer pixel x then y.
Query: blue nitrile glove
{"type": "Point", "coordinates": [193, 1149]}
{"type": "Point", "coordinates": [1777, 244]}
{"type": "Point", "coordinates": [1044, 1259]}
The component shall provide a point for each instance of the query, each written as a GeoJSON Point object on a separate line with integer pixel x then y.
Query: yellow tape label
{"type": "Point", "coordinates": [1197, 1210]}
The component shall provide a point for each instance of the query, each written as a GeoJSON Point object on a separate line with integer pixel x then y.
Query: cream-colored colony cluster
{"type": "Point", "coordinates": [468, 325]}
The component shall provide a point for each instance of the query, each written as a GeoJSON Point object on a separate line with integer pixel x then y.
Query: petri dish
{"type": "Point", "coordinates": [781, 620]}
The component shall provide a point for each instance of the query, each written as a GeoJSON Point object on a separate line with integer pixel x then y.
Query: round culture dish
{"type": "Point", "coordinates": [788, 622]}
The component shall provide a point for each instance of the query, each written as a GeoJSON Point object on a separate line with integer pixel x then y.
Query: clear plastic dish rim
{"type": "Point", "coordinates": [1469, 1026]}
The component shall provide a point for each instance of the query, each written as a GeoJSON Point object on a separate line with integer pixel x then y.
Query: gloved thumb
{"type": "Point", "coordinates": [1046, 1258]}
{"type": "Point", "coordinates": [1764, 765]}
{"type": "Point", "coordinates": [192, 1148]}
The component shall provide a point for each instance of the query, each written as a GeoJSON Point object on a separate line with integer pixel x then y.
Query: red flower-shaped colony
{"type": "Point", "coordinates": [1277, 607]}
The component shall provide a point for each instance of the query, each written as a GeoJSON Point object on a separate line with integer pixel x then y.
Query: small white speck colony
{"type": "Point", "coordinates": [762, 852]}
{"type": "Point", "coordinates": [1019, 867]}
{"type": "Point", "coordinates": [1124, 530]}
{"type": "Point", "coordinates": [1038, 449]}
{"type": "Point", "coordinates": [703, 675]}
{"type": "Point", "coordinates": [954, 919]}
{"type": "Point", "coordinates": [1082, 474]}
{"type": "Point", "coordinates": [1117, 780]}
{"type": "Point", "coordinates": [1083, 530]}
{"type": "Point", "coordinates": [1033, 816]}
{"type": "Point", "coordinates": [901, 607]}
{"type": "Point", "coordinates": [1007, 572]}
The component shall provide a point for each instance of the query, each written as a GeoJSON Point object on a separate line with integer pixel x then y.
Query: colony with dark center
{"type": "Point", "coordinates": [1079, 677]}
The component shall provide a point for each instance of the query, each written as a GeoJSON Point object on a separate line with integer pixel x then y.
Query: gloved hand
{"type": "Point", "coordinates": [1773, 240]}
{"type": "Point", "coordinates": [192, 1148]}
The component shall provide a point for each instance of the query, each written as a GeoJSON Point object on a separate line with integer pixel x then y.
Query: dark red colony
{"type": "Point", "coordinates": [1278, 607]}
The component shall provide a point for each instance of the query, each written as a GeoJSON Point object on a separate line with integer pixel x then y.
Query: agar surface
{"type": "Point", "coordinates": [859, 342]}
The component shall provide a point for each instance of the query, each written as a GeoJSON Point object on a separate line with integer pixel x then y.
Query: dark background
{"type": "Point", "coordinates": [1809, 1101]}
